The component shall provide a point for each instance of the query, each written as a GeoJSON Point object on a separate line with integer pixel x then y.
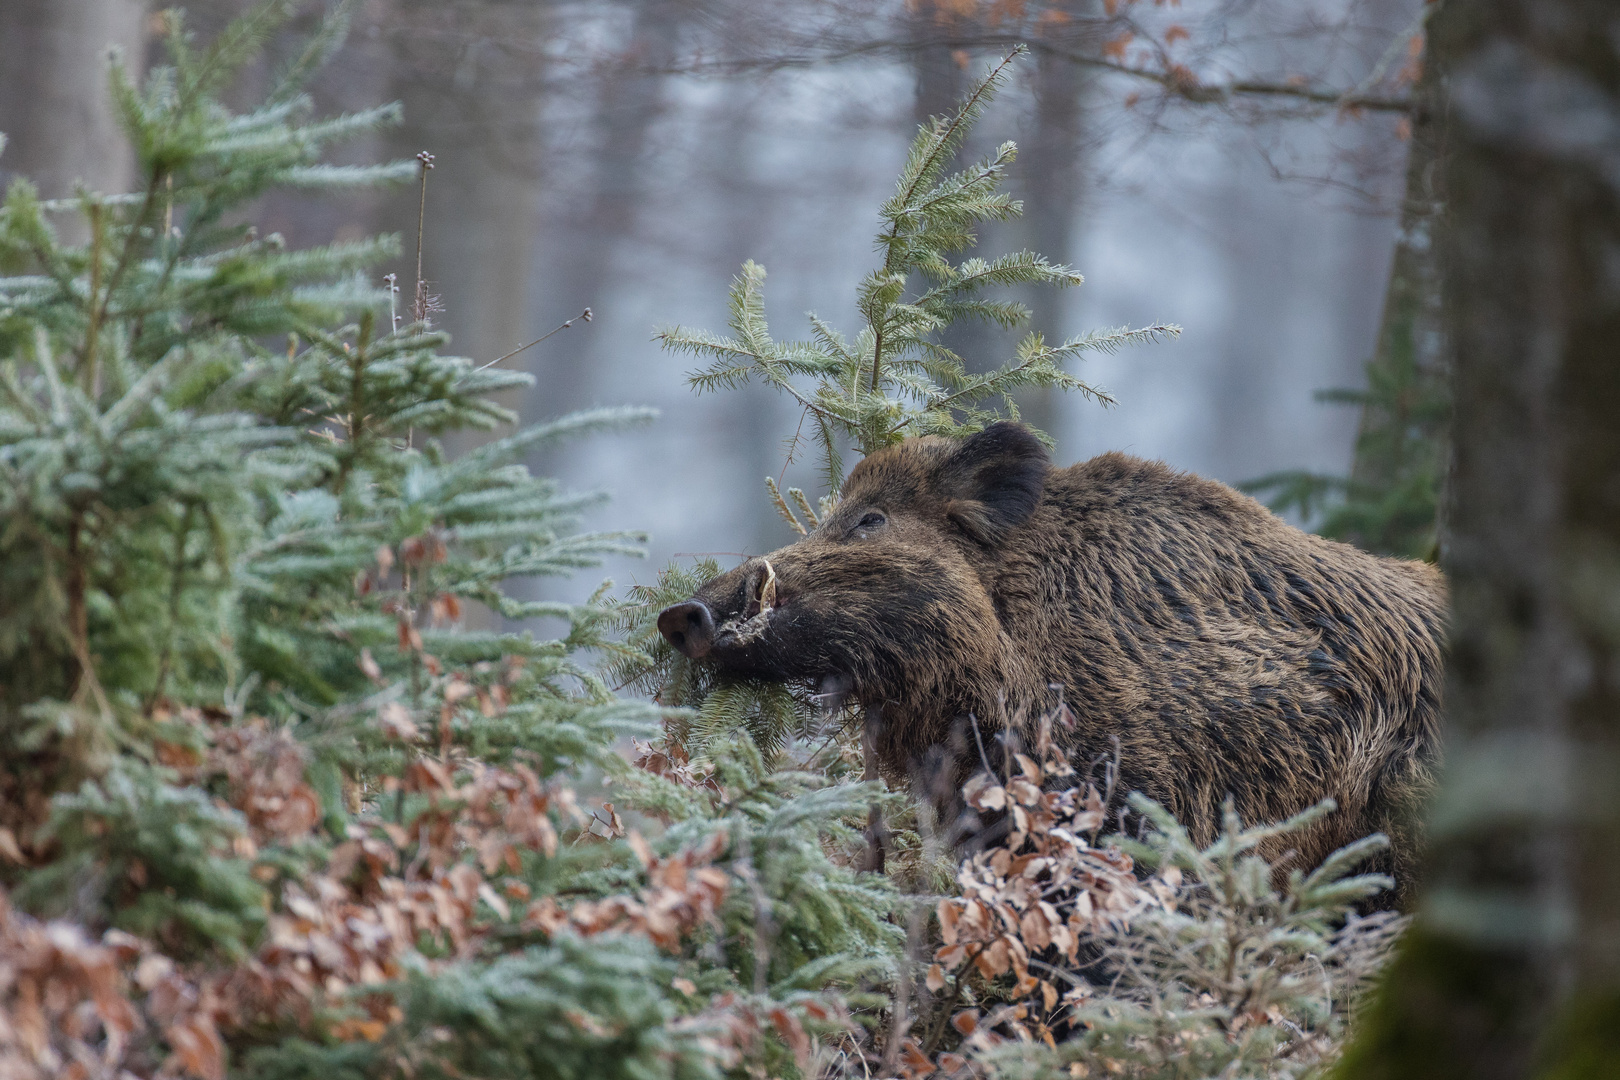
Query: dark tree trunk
{"type": "Point", "coordinates": [1050, 163]}
{"type": "Point", "coordinates": [54, 106]}
{"type": "Point", "coordinates": [629, 104]}
{"type": "Point", "coordinates": [942, 75]}
{"type": "Point", "coordinates": [1513, 968]}
{"type": "Point", "coordinates": [1403, 430]}
{"type": "Point", "coordinates": [473, 109]}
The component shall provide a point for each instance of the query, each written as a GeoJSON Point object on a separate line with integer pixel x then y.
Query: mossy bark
{"type": "Point", "coordinates": [1514, 967]}
{"type": "Point", "coordinates": [1402, 432]}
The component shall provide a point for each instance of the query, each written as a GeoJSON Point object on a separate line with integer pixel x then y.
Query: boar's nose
{"type": "Point", "coordinates": [688, 627]}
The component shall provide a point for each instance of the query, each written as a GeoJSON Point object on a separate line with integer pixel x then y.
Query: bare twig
{"type": "Point", "coordinates": [1401, 43]}
{"type": "Point", "coordinates": [938, 1031]}
{"type": "Point", "coordinates": [1176, 82]}
{"type": "Point", "coordinates": [585, 315]}
{"type": "Point", "coordinates": [419, 308]}
{"type": "Point", "coordinates": [393, 303]}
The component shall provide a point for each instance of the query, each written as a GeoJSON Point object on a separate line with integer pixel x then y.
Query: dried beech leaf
{"type": "Point", "coordinates": [948, 910]}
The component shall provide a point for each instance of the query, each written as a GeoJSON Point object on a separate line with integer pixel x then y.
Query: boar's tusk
{"type": "Point", "coordinates": [767, 588]}
{"type": "Point", "coordinates": [753, 628]}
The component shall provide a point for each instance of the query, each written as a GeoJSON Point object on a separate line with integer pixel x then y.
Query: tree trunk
{"type": "Point", "coordinates": [1402, 433]}
{"type": "Point", "coordinates": [1513, 967]}
{"type": "Point", "coordinates": [630, 102]}
{"type": "Point", "coordinates": [1050, 164]}
{"type": "Point", "coordinates": [943, 75]}
{"type": "Point", "coordinates": [475, 112]}
{"type": "Point", "coordinates": [55, 110]}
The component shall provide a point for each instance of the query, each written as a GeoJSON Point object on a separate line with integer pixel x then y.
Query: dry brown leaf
{"type": "Point", "coordinates": [993, 959]}
{"type": "Point", "coordinates": [792, 1032]}
{"type": "Point", "coordinates": [949, 911]}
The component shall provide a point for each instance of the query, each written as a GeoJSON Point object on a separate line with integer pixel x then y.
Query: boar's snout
{"type": "Point", "coordinates": [688, 627]}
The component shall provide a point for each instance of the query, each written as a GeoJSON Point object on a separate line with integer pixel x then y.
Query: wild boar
{"type": "Point", "coordinates": [1217, 649]}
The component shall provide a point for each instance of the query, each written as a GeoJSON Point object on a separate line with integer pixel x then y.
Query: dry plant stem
{"type": "Point", "coordinates": [877, 833]}
{"type": "Point", "coordinates": [393, 301]}
{"type": "Point", "coordinates": [900, 1020]}
{"type": "Point", "coordinates": [177, 587]}
{"type": "Point", "coordinates": [419, 310]}
{"type": "Point", "coordinates": [938, 1032]}
{"type": "Point", "coordinates": [586, 315]}
{"type": "Point", "coordinates": [92, 375]}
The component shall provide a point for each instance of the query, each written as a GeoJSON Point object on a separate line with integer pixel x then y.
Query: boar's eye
{"type": "Point", "coordinates": [873, 520]}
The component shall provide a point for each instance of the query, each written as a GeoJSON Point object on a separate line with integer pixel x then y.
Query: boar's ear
{"type": "Point", "coordinates": [993, 481]}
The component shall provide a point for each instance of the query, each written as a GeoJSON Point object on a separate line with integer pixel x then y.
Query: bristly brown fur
{"type": "Point", "coordinates": [1226, 651]}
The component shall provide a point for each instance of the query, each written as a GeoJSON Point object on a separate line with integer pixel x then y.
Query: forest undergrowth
{"type": "Point", "coordinates": [270, 808]}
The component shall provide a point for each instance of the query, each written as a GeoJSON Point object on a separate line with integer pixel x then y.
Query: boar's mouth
{"type": "Point", "coordinates": [691, 628]}
{"type": "Point", "coordinates": [749, 625]}
{"type": "Point", "coordinates": [755, 639]}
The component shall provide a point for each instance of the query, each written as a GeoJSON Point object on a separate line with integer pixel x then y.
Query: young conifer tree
{"type": "Point", "coordinates": [894, 380]}
{"type": "Point", "coordinates": [265, 802]}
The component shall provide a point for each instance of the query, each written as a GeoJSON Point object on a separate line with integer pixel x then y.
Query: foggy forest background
{"type": "Point", "coordinates": [630, 156]}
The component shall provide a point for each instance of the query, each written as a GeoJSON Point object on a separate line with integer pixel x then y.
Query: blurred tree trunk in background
{"type": "Point", "coordinates": [628, 104]}
{"type": "Point", "coordinates": [757, 424]}
{"type": "Point", "coordinates": [53, 79]}
{"type": "Point", "coordinates": [1401, 438]}
{"type": "Point", "coordinates": [938, 68]}
{"type": "Point", "coordinates": [1514, 966]}
{"type": "Point", "coordinates": [1259, 253]}
{"type": "Point", "coordinates": [1049, 161]}
{"type": "Point", "coordinates": [943, 73]}
{"type": "Point", "coordinates": [472, 107]}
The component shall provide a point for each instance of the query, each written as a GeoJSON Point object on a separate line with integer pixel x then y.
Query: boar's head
{"type": "Point", "coordinates": [891, 598]}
